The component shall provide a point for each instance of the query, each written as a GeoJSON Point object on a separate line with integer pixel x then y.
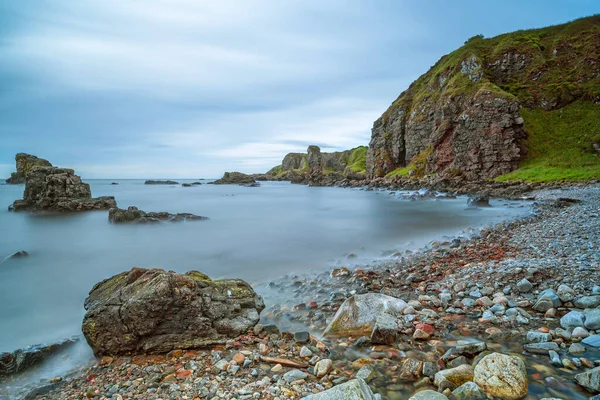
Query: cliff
{"type": "Point", "coordinates": [519, 106]}
{"type": "Point", "coordinates": [320, 168]}
{"type": "Point", "coordinates": [25, 162]}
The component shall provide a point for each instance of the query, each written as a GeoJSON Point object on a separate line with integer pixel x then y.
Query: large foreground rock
{"type": "Point", "coordinates": [25, 162]}
{"type": "Point", "coordinates": [135, 215]}
{"type": "Point", "coordinates": [356, 389]}
{"type": "Point", "coordinates": [235, 178]}
{"type": "Point", "coordinates": [358, 315]}
{"type": "Point", "coordinates": [503, 376]}
{"type": "Point", "coordinates": [155, 311]}
{"type": "Point", "coordinates": [23, 359]}
{"type": "Point", "coordinates": [59, 189]}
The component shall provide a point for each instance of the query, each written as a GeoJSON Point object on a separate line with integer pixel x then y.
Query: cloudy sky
{"type": "Point", "coordinates": [191, 88]}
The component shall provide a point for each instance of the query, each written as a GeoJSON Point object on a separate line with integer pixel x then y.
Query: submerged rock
{"type": "Point", "coordinates": [59, 189]}
{"type": "Point", "coordinates": [159, 182]}
{"type": "Point", "coordinates": [155, 311]}
{"type": "Point", "coordinates": [590, 380]}
{"type": "Point", "coordinates": [235, 178]}
{"type": "Point", "coordinates": [356, 389]}
{"type": "Point", "coordinates": [428, 395]}
{"type": "Point", "coordinates": [358, 314]}
{"type": "Point", "coordinates": [25, 162]}
{"type": "Point", "coordinates": [22, 359]}
{"type": "Point", "coordinates": [503, 376]}
{"type": "Point", "coordinates": [478, 201]}
{"type": "Point", "coordinates": [135, 215]}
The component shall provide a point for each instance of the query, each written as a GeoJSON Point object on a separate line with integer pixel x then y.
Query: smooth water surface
{"type": "Point", "coordinates": [256, 234]}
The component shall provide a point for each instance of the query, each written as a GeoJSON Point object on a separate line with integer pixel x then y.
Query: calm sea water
{"type": "Point", "coordinates": [256, 234]}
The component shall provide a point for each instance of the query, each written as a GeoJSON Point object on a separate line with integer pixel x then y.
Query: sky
{"type": "Point", "coordinates": [193, 88]}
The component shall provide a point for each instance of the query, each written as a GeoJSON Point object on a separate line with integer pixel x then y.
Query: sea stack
{"type": "Point", "coordinates": [25, 162]}
{"type": "Point", "coordinates": [58, 189]}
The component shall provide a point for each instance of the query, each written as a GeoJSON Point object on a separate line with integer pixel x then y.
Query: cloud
{"type": "Point", "coordinates": [140, 88]}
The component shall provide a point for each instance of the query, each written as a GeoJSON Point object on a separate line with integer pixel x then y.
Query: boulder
{"type": "Point", "coordinates": [155, 311]}
{"type": "Point", "coordinates": [592, 318]}
{"type": "Point", "coordinates": [154, 182]}
{"type": "Point", "coordinates": [469, 391]}
{"type": "Point", "coordinates": [358, 314]}
{"type": "Point", "coordinates": [590, 380]}
{"type": "Point", "coordinates": [134, 215]}
{"type": "Point", "coordinates": [428, 395]}
{"type": "Point", "coordinates": [458, 376]}
{"type": "Point", "coordinates": [356, 389]}
{"type": "Point", "coordinates": [58, 189]}
{"type": "Point", "coordinates": [22, 359]}
{"type": "Point", "coordinates": [546, 300]}
{"type": "Point", "coordinates": [385, 330]}
{"type": "Point", "coordinates": [503, 376]}
{"type": "Point", "coordinates": [572, 319]}
{"type": "Point", "coordinates": [234, 178]}
{"type": "Point", "coordinates": [25, 162]}
{"type": "Point", "coordinates": [587, 301]}
{"type": "Point", "coordinates": [478, 201]}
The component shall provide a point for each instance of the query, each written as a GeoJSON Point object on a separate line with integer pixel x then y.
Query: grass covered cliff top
{"type": "Point", "coordinates": [553, 72]}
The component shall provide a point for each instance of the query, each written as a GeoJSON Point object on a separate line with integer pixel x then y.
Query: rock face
{"type": "Point", "coordinates": [462, 119]}
{"type": "Point", "coordinates": [356, 389]}
{"type": "Point", "coordinates": [503, 376]}
{"type": "Point", "coordinates": [59, 189]}
{"type": "Point", "coordinates": [25, 162]}
{"type": "Point", "coordinates": [134, 215]}
{"type": "Point", "coordinates": [235, 178]}
{"type": "Point", "coordinates": [359, 314]}
{"type": "Point", "coordinates": [155, 311]}
{"type": "Point", "coordinates": [22, 359]}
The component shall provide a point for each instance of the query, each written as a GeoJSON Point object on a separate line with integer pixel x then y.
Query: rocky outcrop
{"type": "Point", "coordinates": [135, 215]}
{"type": "Point", "coordinates": [235, 178]}
{"type": "Point", "coordinates": [23, 359]}
{"type": "Point", "coordinates": [59, 189]}
{"type": "Point", "coordinates": [155, 311]}
{"type": "Point", "coordinates": [318, 168]}
{"type": "Point", "coordinates": [154, 182]}
{"type": "Point", "coordinates": [25, 162]}
{"type": "Point", "coordinates": [462, 119]}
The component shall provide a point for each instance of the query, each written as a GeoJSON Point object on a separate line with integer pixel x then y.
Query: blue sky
{"type": "Point", "coordinates": [192, 88]}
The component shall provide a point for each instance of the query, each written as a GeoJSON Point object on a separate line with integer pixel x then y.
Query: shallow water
{"type": "Point", "coordinates": [256, 234]}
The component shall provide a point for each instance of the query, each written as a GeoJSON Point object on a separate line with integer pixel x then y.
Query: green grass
{"type": "Point", "coordinates": [357, 161]}
{"type": "Point", "coordinates": [417, 166]}
{"type": "Point", "coordinates": [560, 144]}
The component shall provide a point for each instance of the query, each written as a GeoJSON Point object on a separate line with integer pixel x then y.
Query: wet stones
{"type": "Point", "coordinates": [541, 348]}
{"type": "Point", "coordinates": [322, 367]}
{"type": "Point", "coordinates": [503, 376]}
{"type": "Point", "coordinates": [572, 319]}
{"type": "Point", "coordinates": [411, 370]}
{"type": "Point", "coordinates": [358, 314]}
{"type": "Point", "coordinates": [302, 337]}
{"type": "Point", "coordinates": [590, 380]}
{"type": "Point", "coordinates": [547, 299]}
{"type": "Point", "coordinates": [453, 377]}
{"type": "Point", "coordinates": [356, 389]}
{"type": "Point", "coordinates": [524, 286]}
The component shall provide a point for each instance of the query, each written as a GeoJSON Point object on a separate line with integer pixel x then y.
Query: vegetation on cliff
{"type": "Point", "coordinates": [552, 74]}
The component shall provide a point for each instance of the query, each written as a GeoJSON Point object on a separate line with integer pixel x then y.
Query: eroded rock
{"type": "Point", "coordinates": [235, 178]}
{"type": "Point", "coordinates": [25, 162]}
{"type": "Point", "coordinates": [502, 376]}
{"type": "Point", "coordinates": [155, 311]}
{"type": "Point", "coordinates": [135, 215]}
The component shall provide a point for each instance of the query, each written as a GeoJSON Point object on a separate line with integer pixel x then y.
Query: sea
{"type": "Point", "coordinates": [254, 233]}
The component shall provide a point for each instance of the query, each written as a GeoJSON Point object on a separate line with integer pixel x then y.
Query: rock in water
{"type": "Point", "coordinates": [478, 201]}
{"type": "Point", "coordinates": [25, 162]}
{"type": "Point", "coordinates": [135, 215]}
{"type": "Point", "coordinates": [22, 359]}
{"type": "Point", "coordinates": [154, 182]}
{"type": "Point", "coordinates": [428, 395]}
{"type": "Point", "coordinates": [59, 189]}
{"type": "Point", "coordinates": [155, 311]}
{"type": "Point", "coordinates": [502, 376]}
{"type": "Point", "coordinates": [590, 380]}
{"type": "Point", "coordinates": [356, 389]}
{"type": "Point", "coordinates": [234, 178]}
{"type": "Point", "coordinates": [358, 314]}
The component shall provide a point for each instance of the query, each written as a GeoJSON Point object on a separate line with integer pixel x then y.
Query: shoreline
{"type": "Point", "coordinates": [382, 278]}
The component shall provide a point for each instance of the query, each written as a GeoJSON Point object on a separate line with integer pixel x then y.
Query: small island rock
{"type": "Point", "coordinates": [135, 215]}
{"type": "Point", "coordinates": [235, 178]}
{"type": "Point", "coordinates": [58, 189]}
{"type": "Point", "coordinates": [154, 182]}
